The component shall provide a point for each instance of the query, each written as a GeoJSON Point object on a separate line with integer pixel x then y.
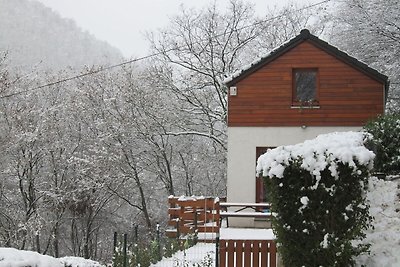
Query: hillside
{"type": "Point", "coordinates": [35, 35]}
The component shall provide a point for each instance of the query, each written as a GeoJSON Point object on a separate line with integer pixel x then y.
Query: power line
{"type": "Point", "coordinates": [83, 74]}
{"type": "Point", "coordinates": [152, 55]}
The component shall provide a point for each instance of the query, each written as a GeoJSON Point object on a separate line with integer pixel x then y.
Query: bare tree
{"type": "Point", "coordinates": [370, 30]}
{"type": "Point", "coordinates": [200, 47]}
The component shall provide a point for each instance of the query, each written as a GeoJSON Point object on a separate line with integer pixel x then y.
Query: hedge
{"type": "Point", "coordinates": [317, 191]}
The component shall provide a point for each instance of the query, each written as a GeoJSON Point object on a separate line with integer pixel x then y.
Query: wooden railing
{"type": "Point", "coordinates": [255, 253]}
{"type": "Point", "coordinates": [244, 210]}
{"type": "Point", "coordinates": [188, 215]}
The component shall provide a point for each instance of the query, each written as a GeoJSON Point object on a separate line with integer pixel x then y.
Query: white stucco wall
{"type": "Point", "coordinates": [242, 143]}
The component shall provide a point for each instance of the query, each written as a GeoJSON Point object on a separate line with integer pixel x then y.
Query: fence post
{"type": "Point", "coordinates": [158, 242]}
{"type": "Point", "coordinates": [37, 243]}
{"type": "Point", "coordinates": [195, 219]}
{"type": "Point", "coordinates": [217, 250]}
{"type": "Point", "coordinates": [125, 246]}
{"type": "Point", "coordinates": [136, 243]}
{"type": "Point", "coordinates": [136, 233]}
{"type": "Point", "coordinates": [115, 248]}
{"type": "Point", "coordinates": [177, 229]}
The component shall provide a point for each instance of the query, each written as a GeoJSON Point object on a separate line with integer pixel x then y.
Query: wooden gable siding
{"type": "Point", "coordinates": [346, 96]}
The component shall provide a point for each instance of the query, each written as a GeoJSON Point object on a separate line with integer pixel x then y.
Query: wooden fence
{"type": "Point", "coordinates": [188, 215]}
{"type": "Point", "coordinates": [243, 253]}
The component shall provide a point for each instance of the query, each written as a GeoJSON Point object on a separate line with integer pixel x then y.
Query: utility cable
{"type": "Point", "coordinates": [154, 54]}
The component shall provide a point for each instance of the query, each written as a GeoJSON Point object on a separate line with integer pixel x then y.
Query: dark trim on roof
{"type": "Point", "coordinates": [306, 35]}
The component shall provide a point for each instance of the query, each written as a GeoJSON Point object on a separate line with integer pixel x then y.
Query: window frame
{"type": "Point", "coordinates": [304, 104]}
{"type": "Point", "coordinates": [261, 196]}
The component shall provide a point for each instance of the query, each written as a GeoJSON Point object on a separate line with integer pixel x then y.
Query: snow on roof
{"type": "Point", "coordinates": [317, 154]}
{"type": "Point", "coordinates": [304, 33]}
{"type": "Point", "coordinates": [248, 66]}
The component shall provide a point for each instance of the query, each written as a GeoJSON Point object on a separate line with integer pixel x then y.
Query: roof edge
{"type": "Point", "coordinates": [303, 36]}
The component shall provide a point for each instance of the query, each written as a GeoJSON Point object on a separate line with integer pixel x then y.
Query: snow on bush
{"type": "Point", "coordinates": [317, 191]}
{"type": "Point", "coordinates": [317, 154]}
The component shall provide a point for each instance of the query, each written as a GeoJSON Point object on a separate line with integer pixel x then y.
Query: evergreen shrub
{"type": "Point", "coordinates": [317, 192]}
{"type": "Point", "coordinates": [385, 143]}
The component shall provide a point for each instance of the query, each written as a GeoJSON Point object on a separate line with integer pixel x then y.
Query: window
{"type": "Point", "coordinates": [305, 86]}
{"type": "Point", "coordinates": [261, 194]}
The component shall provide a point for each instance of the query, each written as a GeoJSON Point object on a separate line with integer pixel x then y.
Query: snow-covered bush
{"type": "Point", "coordinates": [385, 143]}
{"type": "Point", "coordinates": [317, 191]}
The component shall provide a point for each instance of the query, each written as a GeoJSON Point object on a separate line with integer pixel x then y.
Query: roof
{"type": "Point", "coordinates": [303, 36]}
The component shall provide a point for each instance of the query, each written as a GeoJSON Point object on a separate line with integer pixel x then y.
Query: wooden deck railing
{"type": "Point", "coordinates": [189, 215]}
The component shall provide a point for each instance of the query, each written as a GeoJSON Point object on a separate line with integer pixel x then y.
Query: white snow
{"type": "Point", "coordinates": [246, 233]}
{"type": "Point", "coordinates": [325, 243]}
{"type": "Point", "coordinates": [304, 200]}
{"type": "Point", "coordinates": [187, 198]}
{"type": "Point", "coordinates": [317, 154]}
{"type": "Point", "coordinates": [11, 257]}
{"type": "Point", "coordinates": [384, 237]}
{"type": "Point", "coordinates": [197, 254]}
{"type": "Point", "coordinates": [79, 262]}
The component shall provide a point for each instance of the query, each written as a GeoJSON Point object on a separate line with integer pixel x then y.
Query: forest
{"type": "Point", "coordinates": [86, 151]}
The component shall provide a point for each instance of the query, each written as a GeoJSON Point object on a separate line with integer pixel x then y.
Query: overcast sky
{"type": "Point", "coordinates": [122, 23]}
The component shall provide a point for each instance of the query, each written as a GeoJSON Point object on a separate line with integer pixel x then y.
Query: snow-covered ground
{"type": "Point", "coordinates": [10, 257]}
{"type": "Point", "coordinates": [384, 238]}
{"type": "Point", "coordinates": [201, 254]}
{"type": "Point", "coordinates": [384, 197]}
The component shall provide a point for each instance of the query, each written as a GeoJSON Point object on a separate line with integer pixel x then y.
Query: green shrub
{"type": "Point", "coordinates": [317, 191]}
{"type": "Point", "coordinates": [145, 254]}
{"type": "Point", "coordinates": [385, 143]}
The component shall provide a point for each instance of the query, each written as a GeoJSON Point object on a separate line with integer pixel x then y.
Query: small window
{"type": "Point", "coordinates": [305, 86]}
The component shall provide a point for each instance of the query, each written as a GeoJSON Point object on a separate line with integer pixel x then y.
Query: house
{"type": "Point", "coordinates": [304, 88]}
